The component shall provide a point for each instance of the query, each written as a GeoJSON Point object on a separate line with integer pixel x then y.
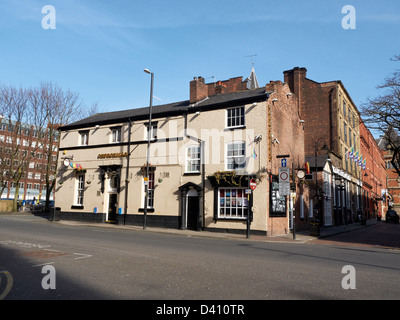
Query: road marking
{"type": "Point", "coordinates": [9, 284]}
{"type": "Point", "coordinates": [42, 264]}
{"type": "Point", "coordinates": [83, 256]}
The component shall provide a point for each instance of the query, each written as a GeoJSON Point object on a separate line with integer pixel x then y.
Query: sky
{"type": "Point", "coordinates": [99, 49]}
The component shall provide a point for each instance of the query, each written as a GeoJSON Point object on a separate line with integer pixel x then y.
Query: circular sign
{"type": "Point", "coordinates": [301, 174]}
{"type": "Point", "coordinates": [284, 176]}
{"type": "Point", "coordinates": [66, 162]}
{"type": "Point", "coordinates": [253, 184]}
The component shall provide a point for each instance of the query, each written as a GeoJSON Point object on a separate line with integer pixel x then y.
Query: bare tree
{"type": "Point", "coordinates": [61, 107]}
{"type": "Point", "coordinates": [382, 113]}
{"type": "Point", "coordinates": [31, 118]}
{"type": "Point", "coordinates": [22, 123]}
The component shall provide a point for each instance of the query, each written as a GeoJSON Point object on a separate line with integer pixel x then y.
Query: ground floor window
{"type": "Point", "coordinates": [79, 189]}
{"type": "Point", "coordinates": [150, 191]}
{"type": "Point", "coordinates": [232, 203]}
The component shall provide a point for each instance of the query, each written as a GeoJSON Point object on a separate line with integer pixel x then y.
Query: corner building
{"type": "Point", "coordinates": [203, 154]}
{"type": "Point", "coordinates": [332, 139]}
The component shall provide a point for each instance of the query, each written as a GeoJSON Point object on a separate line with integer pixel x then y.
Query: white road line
{"type": "Point", "coordinates": [43, 264]}
{"type": "Point", "coordinates": [83, 256]}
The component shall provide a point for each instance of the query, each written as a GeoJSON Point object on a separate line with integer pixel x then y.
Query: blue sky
{"type": "Point", "coordinates": [100, 48]}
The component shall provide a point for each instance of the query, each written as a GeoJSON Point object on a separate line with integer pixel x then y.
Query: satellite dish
{"type": "Point", "coordinates": [66, 162]}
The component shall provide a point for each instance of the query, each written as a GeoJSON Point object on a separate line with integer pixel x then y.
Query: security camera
{"type": "Point", "coordinates": [275, 140]}
{"type": "Point", "coordinates": [257, 138]}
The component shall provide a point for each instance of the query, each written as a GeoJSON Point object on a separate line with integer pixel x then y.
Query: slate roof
{"type": "Point", "coordinates": [216, 101]}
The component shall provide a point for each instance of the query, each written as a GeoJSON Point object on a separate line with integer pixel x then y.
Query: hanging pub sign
{"type": "Point", "coordinates": [75, 166]}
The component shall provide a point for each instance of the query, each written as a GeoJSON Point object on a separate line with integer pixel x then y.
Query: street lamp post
{"type": "Point", "coordinates": [146, 186]}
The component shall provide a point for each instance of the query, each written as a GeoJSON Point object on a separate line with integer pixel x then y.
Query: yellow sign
{"type": "Point", "coordinates": [112, 155]}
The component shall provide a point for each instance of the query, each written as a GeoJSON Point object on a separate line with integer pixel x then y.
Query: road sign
{"type": "Point", "coordinates": [284, 183]}
{"type": "Point", "coordinates": [253, 184]}
{"type": "Point", "coordinates": [283, 163]}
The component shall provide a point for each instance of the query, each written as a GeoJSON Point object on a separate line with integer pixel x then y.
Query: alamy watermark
{"type": "Point", "coordinates": [349, 20]}
{"type": "Point", "coordinates": [349, 280]}
{"type": "Point", "coordinates": [49, 280]}
{"type": "Point", "coordinates": [49, 20]}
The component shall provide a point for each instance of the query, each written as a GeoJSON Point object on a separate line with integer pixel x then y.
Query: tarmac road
{"type": "Point", "coordinates": [381, 234]}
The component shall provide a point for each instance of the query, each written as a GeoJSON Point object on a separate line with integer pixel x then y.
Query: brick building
{"type": "Point", "coordinates": [331, 124]}
{"type": "Point", "coordinates": [204, 152]}
{"type": "Point", "coordinates": [392, 177]}
{"type": "Point", "coordinates": [29, 147]}
{"type": "Point", "coordinates": [374, 201]}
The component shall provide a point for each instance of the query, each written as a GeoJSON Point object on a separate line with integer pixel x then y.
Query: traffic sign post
{"type": "Point", "coordinates": [284, 183]}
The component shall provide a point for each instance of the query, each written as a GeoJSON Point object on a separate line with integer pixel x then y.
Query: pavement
{"type": "Point", "coordinates": [300, 236]}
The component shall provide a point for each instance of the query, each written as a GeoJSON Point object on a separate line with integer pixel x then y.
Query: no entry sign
{"type": "Point", "coordinates": [253, 184]}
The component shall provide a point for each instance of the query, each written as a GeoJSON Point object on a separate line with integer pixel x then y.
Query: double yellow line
{"type": "Point", "coordinates": [9, 284]}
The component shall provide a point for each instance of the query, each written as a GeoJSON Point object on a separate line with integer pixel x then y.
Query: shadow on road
{"type": "Point", "coordinates": [21, 280]}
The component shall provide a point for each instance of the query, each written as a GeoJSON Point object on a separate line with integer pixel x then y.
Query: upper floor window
{"type": "Point", "coordinates": [235, 117]}
{"type": "Point", "coordinates": [153, 131]}
{"type": "Point", "coordinates": [193, 158]}
{"type": "Point", "coordinates": [84, 138]}
{"type": "Point", "coordinates": [236, 155]}
{"type": "Point", "coordinates": [116, 134]}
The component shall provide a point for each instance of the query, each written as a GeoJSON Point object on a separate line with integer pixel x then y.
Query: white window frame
{"type": "Point", "coordinates": [116, 135]}
{"type": "Point", "coordinates": [79, 189]}
{"type": "Point", "coordinates": [153, 131]}
{"type": "Point", "coordinates": [241, 203]}
{"type": "Point", "coordinates": [238, 120]}
{"type": "Point", "coordinates": [193, 158]}
{"type": "Point", "coordinates": [150, 192]}
{"type": "Point", "coordinates": [241, 165]}
{"type": "Point", "coordinates": [84, 138]}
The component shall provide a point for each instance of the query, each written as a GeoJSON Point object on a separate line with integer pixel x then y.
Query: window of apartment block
{"type": "Point", "coordinates": [116, 134]}
{"type": "Point", "coordinates": [344, 108]}
{"type": "Point", "coordinates": [236, 155]}
{"type": "Point", "coordinates": [193, 159]}
{"type": "Point", "coordinates": [37, 176]}
{"type": "Point", "coordinates": [153, 131]}
{"type": "Point", "coordinates": [349, 114]}
{"type": "Point", "coordinates": [345, 132]}
{"type": "Point", "coordinates": [80, 185]}
{"type": "Point", "coordinates": [150, 191]}
{"type": "Point", "coordinates": [350, 137]}
{"type": "Point", "coordinates": [232, 203]}
{"type": "Point", "coordinates": [235, 117]}
{"type": "Point", "coordinates": [83, 138]}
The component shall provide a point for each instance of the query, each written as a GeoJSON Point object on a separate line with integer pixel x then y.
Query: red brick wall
{"type": "Point", "coordinates": [374, 176]}
{"type": "Point", "coordinates": [286, 127]}
{"type": "Point", "coordinates": [317, 109]}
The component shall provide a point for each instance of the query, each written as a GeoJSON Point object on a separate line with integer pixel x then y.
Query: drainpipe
{"type": "Point", "coordinates": [127, 171]}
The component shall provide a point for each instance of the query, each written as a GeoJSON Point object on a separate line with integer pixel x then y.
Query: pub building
{"type": "Point", "coordinates": [213, 162]}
